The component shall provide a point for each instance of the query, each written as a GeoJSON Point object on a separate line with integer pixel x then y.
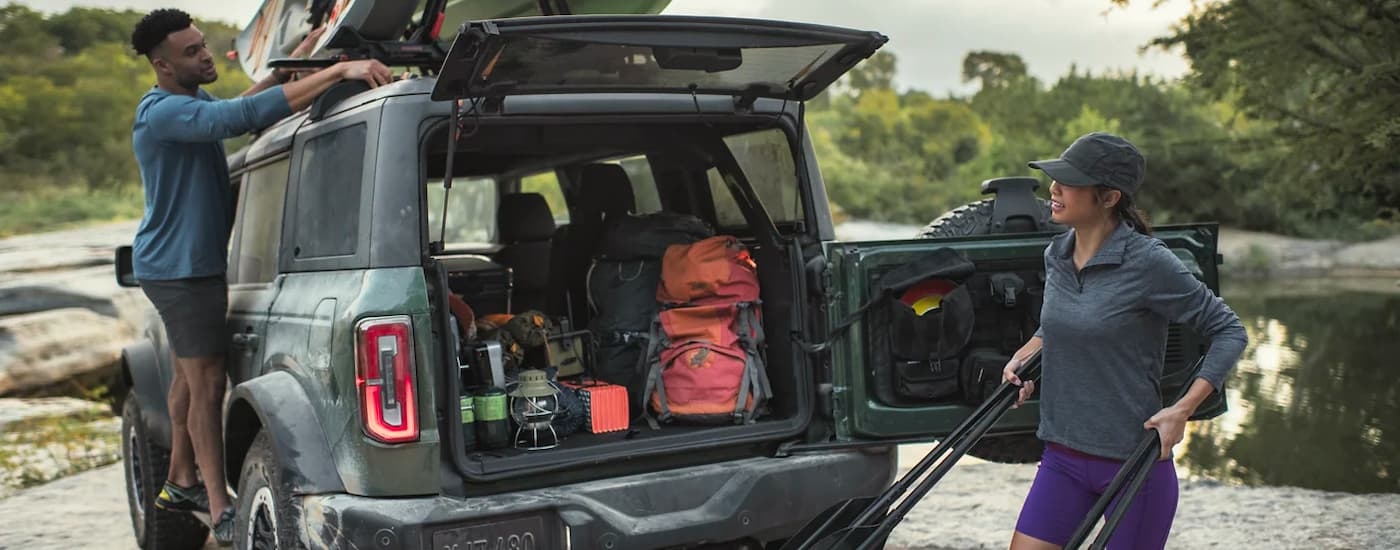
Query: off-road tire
{"type": "Point", "coordinates": [146, 465]}
{"type": "Point", "coordinates": [267, 518]}
{"type": "Point", "coordinates": [975, 219]}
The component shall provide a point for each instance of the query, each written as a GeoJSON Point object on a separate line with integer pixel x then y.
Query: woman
{"type": "Point", "coordinates": [1110, 291]}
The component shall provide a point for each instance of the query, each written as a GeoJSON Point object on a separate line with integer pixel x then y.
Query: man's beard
{"type": "Point", "coordinates": [195, 80]}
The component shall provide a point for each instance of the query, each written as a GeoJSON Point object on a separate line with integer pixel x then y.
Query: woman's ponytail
{"type": "Point", "coordinates": [1126, 211]}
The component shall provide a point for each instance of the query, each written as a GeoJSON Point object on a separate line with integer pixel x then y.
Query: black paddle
{"type": "Point", "coordinates": [863, 523]}
{"type": "Point", "coordinates": [1133, 474]}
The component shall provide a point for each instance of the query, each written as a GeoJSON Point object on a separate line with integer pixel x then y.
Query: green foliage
{"type": "Point", "coordinates": [53, 205]}
{"type": "Point", "coordinates": [69, 85]}
{"type": "Point", "coordinates": [1318, 82]}
{"type": "Point", "coordinates": [1288, 121]}
{"type": "Point", "coordinates": [910, 157]}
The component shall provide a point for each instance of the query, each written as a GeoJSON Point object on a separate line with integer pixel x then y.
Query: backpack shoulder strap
{"type": "Point", "coordinates": [649, 365]}
{"type": "Point", "coordinates": [755, 387]}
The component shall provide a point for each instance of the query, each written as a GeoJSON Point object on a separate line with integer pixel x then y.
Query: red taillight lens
{"type": "Point", "coordinates": [384, 375]}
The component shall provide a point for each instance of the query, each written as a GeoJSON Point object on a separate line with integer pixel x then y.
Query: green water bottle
{"type": "Point", "coordinates": [493, 429]}
{"type": "Point", "coordinates": [468, 422]}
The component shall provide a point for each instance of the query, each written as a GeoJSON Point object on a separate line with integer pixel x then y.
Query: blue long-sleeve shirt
{"type": "Point", "coordinates": [178, 141]}
{"type": "Point", "coordinates": [1104, 331]}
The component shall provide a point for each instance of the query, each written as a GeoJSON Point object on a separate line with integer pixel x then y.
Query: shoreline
{"type": "Point", "coordinates": [1249, 255]}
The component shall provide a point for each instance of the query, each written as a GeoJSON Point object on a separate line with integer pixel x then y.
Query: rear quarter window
{"type": "Point", "coordinates": [328, 193]}
{"type": "Point", "coordinates": [766, 158]}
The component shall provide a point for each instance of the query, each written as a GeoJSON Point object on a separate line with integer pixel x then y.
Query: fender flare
{"type": "Point", "coordinates": [142, 369]}
{"type": "Point", "coordinates": [276, 402]}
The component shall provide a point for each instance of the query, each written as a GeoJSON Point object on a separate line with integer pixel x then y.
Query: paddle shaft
{"type": "Point", "coordinates": [1134, 472]}
{"type": "Point", "coordinates": [960, 440]}
{"type": "Point", "coordinates": [1148, 457]}
{"type": "Point", "coordinates": [1147, 448]}
{"type": "Point", "coordinates": [895, 516]}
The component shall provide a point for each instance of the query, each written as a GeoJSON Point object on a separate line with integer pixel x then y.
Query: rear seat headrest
{"type": "Point", "coordinates": [606, 189]}
{"type": "Point", "coordinates": [524, 217]}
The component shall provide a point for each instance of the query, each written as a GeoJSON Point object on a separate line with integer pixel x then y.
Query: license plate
{"type": "Point", "coordinates": [527, 533]}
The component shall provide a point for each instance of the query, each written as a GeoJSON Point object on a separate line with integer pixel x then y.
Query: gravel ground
{"type": "Point", "coordinates": [974, 507]}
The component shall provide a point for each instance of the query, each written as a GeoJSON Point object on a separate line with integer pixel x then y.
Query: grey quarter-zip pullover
{"type": "Point", "coordinates": [1104, 331]}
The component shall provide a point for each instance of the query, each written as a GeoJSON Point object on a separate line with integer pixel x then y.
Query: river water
{"type": "Point", "coordinates": [1315, 399]}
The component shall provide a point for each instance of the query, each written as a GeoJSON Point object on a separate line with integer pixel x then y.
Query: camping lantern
{"type": "Point", "coordinates": [533, 405]}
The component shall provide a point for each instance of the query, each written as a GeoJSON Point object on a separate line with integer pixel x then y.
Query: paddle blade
{"type": "Point", "coordinates": [835, 519]}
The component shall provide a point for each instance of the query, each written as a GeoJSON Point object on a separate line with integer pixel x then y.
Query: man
{"type": "Point", "coordinates": [180, 250]}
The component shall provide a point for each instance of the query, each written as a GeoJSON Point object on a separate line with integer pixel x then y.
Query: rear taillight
{"type": "Point", "coordinates": [384, 369]}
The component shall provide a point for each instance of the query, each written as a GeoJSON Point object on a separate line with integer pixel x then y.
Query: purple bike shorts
{"type": "Point", "coordinates": [1068, 482]}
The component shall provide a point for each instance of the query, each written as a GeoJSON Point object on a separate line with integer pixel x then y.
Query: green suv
{"type": "Point", "coordinates": [343, 421]}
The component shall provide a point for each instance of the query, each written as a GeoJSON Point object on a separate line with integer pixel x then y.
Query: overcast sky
{"type": "Point", "coordinates": [930, 37]}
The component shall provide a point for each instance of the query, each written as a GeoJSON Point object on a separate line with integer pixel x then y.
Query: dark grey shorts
{"type": "Point", "coordinates": [195, 313]}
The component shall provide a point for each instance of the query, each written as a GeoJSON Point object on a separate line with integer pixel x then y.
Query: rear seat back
{"type": "Point", "coordinates": [603, 190]}
{"type": "Point", "coordinates": [526, 229]}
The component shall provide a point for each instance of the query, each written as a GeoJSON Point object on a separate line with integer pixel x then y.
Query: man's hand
{"type": "Point", "coordinates": [1171, 427]}
{"type": "Point", "coordinates": [301, 93]}
{"type": "Point", "coordinates": [371, 71]}
{"type": "Point", "coordinates": [304, 48]}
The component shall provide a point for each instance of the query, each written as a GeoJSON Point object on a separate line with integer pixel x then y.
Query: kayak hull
{"type": "Point", "coordinates": [279, 25]}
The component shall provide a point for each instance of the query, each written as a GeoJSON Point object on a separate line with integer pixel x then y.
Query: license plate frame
{"type": "Point", "coordinates": [522, 532]}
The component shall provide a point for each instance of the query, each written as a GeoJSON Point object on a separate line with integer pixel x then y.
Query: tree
{"type": "Point", "coordinates": [875, 73]}
{"type": "Point", "coordinates": [993, 69]}
{"type": "Point", "coordinates": [1323, 79]}
{"type": "Point", "coordinates": [69, 85]}
{"type": "Point", "coordinates": [80, 28]}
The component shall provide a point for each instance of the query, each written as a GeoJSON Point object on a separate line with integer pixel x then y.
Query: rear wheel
{"type": "Point", "coordinates": [146, 466]}
{"type": "Point", "coordinates": [266, 519]}
{"type": "Point", "coordinates": [976, 219]}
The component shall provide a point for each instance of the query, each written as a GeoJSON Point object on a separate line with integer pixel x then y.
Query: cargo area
{"type": "Point", "coordinates": [550, 226]}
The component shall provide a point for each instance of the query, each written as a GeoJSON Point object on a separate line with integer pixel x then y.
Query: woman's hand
{"type": "Point", "coordinates": [1008, 374]}
{"type": "Point", "coordinates": [1171, 427]}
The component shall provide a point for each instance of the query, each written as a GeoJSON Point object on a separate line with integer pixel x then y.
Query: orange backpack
{"type": "Point", "coordinates": [704, 359]}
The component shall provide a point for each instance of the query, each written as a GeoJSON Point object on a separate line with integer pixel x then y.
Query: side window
{"type": "Point", "coordinates": [328, 193]}
{"type": "Point", "coordinates": [727, 213]}
{"type": "Point", "coordinates": [471, 214]}
{"type": "Point", "coordinates": [644, 191]}
{"type": "Point", "coordinates": [765, 157]}
{"type": "Point", "coordinates": [264, 191]}
{"type": "Point", "coordinates": [547, 184]}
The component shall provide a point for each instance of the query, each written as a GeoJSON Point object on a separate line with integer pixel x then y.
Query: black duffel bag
{"type": "Point", "coordinates": [622, 290]}
{"type": "Point", "coordinates": [647, 236]}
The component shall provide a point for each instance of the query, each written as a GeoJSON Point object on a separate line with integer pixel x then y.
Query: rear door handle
{"type": "Point", "coordinates": [247, 340]}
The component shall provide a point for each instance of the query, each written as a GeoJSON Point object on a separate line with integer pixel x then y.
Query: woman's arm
{"type": "Point", "coordinates": [1174, 293]}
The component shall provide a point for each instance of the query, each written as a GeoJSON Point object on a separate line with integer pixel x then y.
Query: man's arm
{"type": "Point", "coordinates": [302, 92]}
{"type": "Point", "coordinates": [188, 119]}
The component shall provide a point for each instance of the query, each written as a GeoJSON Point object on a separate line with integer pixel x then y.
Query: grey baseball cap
{"type": "Point", "coordinates": [1098, 158]}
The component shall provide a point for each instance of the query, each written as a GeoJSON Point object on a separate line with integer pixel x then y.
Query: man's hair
{"type": "Point", "coordinates": [153, 29]}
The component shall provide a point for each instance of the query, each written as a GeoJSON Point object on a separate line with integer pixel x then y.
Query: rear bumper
{"type": "Point", "coordinates": [761, 498]}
